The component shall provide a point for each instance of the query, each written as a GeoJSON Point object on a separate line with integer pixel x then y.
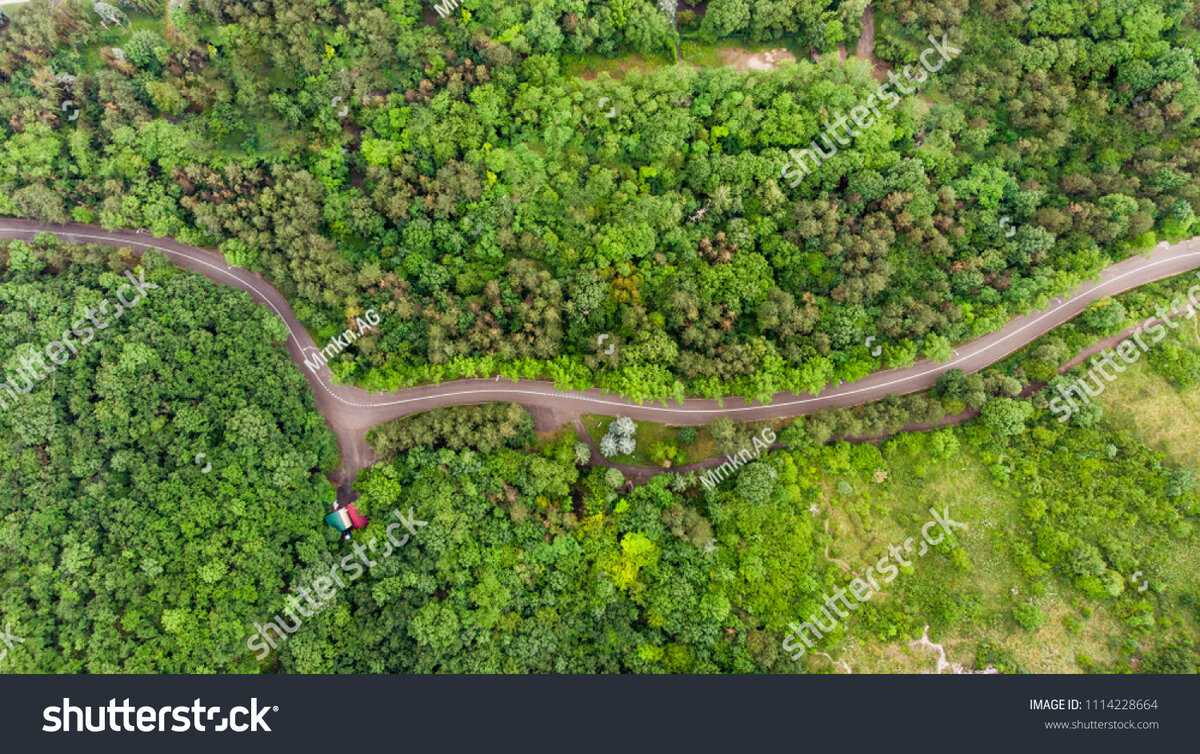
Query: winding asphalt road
{"type": "Point", "coordinates": [351, 411]}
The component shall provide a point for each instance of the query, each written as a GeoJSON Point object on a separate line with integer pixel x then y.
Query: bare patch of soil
{"type": "Point", "coordinates": [942, 663]}
{"type": "Point", "coordinates": [866, 46]}
{"type": "Point", "coordinates": [865, 49]}
{"type": "Point", "coordinates": [744, 60]}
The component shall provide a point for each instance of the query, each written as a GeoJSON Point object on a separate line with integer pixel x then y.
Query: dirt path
{"type": "Point", "coordinates": [350, 411]}
{"type": "Point", "coordinates": [836, 663]}
{"type": "Point", "coordinates": [943, 663]}
{"type": "Point", "coordinates": [597, 457]}
{"type": "Point", "coordinates": [866, 46]}
{"type": "Point", "coordinates": [744, 60]}
{"type": "Point", "coordinates": [865, 49]}
{"type": "Point", "coordinates": [866, 42]}
{"type": "Point", "coordinates": [839, 561]}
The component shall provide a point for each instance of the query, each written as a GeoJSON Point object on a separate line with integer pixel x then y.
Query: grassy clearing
{"type": "Point", "coordinates": [1168, 420]}
{"type": "Point", "coordinates": [1163, 417]}
{"type": "Point", "coordinates": [589, 65]}
{"type": "Point", "coordinates": [729, 53]}
{"type": "Point", "coordinates": [650, 432]}
{"type": "Point", "coordinates": [543, 439]}
{"type": "Point", "coordinates": [1181, 573]}
{"type": "Point", "coordinates": [693, 52]}
{"type": "Point", "coordinates": [865, 522]}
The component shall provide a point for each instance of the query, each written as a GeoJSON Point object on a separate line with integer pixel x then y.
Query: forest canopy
{"type": "Point", "coordinates": [502, 215]}
{"type": "Point", "coordinates": [630, 230]}
{"type": "Point", "coordinates": [150, 516]}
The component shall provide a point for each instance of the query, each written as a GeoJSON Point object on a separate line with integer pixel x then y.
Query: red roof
{"type": "Point", "coordinates": [358, 519]}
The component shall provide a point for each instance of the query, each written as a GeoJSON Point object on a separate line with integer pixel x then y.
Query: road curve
{"type": "Point", "coordinates": [350, 411]}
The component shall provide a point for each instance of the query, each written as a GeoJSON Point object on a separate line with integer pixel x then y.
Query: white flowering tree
{"type": "Point", "coordinates": [619, 438]}
{"type": "Point", "coordinates": [608, 446]}
{"type": "Point", "coordinates": [110, 14]}
{"type": "Point", "coordinates": [669, 7]}
{"type": "Point", "coordinates": [623, 427]}
{"type": "Point", "coordinates": [583, 454]}
{"type": "Point", "coordinates": [614, 478]}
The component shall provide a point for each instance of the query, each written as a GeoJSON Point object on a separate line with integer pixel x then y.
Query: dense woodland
{"type": "Point", "coordinates": [531, 564]}
{"type": "Point", "coordinates": [486, 427]}
{"type": "Point", "coordinates": [575, 570]}
{"type": "Point", "coordinates": [489, 208]}
{"type": "Point", "coordinates": [1032, 371]}
{"type": "Point", "coordinates": [486, 205]}
{"type": "Point", "coordinates": [118, 551]}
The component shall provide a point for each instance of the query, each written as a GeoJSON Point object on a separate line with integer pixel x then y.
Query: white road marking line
{"type": "Point", "coordinates": [551, 391]}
